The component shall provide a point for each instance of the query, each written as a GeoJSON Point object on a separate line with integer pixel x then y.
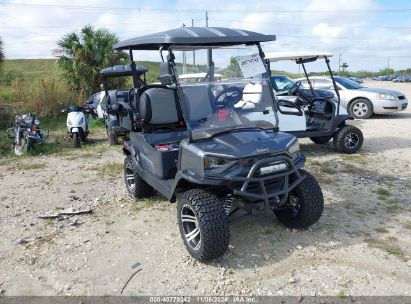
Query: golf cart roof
{"type": "Point", "coordinates": [122, 70]}
{"type": "Point", "coordinates": [193, 37]}
{"type": "Point", "coordinates": [196, 75]}
{"type": "Point", "coordinates": [296, 56]}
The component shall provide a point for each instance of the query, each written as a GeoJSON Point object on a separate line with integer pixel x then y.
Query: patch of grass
{"type": "Point", "coordinates": [393, 208]}
{"type": "Point", "coordinates": [136, 207]}
{"type": "Point", "coordinates": [354, 158]}
{"type": "Point", "coordinates": [394, 250]}
{"type": "Point", "coordinates": [30, 166]}
{"type": "Point", "coordinates": [322, 179]}
{"type": "Point", "coordinates": [408, 225]}
{"type": "Point", "coordinates": [266, 231]}
{"type": "Point", "coordinates": [381, 230]}
{"type": "Point", "coordinates": [110, 170]}
{"type": "Point", "coordinates": [382, 192]}
{"type": "Point", "coordinates": [327, 169]}
{"type": "Point", "coordinates": [348, 168]}
{"type": "Point", "coordinates": [341, 294]}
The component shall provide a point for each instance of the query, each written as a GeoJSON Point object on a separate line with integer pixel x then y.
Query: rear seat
{"type": "Point", "coordinates": [159, 109]}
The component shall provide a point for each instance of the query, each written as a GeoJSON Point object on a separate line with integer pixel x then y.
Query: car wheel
{"type": "Point", "coordinates": [361, 108]}
{"type": "Point", "coordinates": [348, 139]}
{"type": "Point", "coordinates": [304, 205]}
{"type": "Point", "coordinates": [135, 185]}
{"type": "Point", "coordinates": [203, 224]}
{"type": "Point", "coordinates": [321, 140]}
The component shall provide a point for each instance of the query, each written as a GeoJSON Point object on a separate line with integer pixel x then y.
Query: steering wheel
{"type": "Point", "coordinates": [236, 96]}
{"type": "Point", "coordinates": [294, 88]}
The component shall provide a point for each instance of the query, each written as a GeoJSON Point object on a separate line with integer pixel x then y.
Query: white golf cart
{"type": "Point", "coordinates": [314, 113]}
{"type": "Point", "coordinates": [197, 77]}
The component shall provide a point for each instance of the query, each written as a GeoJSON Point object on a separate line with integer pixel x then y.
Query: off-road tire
{"type": "Point", "coordinates": [76, 140]}
{"type": "Point", "coordinates": [311, 204]}
{"type": "Point", "coordinates": [344, 136]}
{"type": "Point", "coordinates": [214, 231]}
{"type": "Point", "coordinates": [21, 149]}
{"type": "Point", "coordinates": [112, 137]}
{"type": "Point", "coordinates": [366, 104]}
{"type": "Point", "coordinates": [140, 189]}
{"type": "Point", "coordinates": [321, 140]}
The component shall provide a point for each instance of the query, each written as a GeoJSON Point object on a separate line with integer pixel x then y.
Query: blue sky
{"type": "Point", "coordinates": [367, 33]}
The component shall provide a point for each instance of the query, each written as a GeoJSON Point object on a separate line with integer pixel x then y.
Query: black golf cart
{"type": "Point", "coordinates": [116, 118]}
{"type": "Point", "coordinates": [214, 146]}
{"type": "Point", "coordinates": [314, 113]}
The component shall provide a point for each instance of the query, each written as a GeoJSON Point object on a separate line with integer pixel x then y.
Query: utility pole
{"type": "Point", "coordinates": [339, 64]}
{"type": "Point", "coordinates": [209, 54]}
{"type": "Point", "coordinates": [194, 52]}
{"type": "Point", "coordinates": [184, 58]}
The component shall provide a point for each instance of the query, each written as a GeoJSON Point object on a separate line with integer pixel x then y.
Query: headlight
{"type": "Point", "coordinates": [385, 96]}
{"type": "Point", "coordinates": [69, 122]}
{"type": "Point", "coordinates": [81, 120]}
{"type": "Point", "coordinates": [18, 118]}
{"type": "Point", "coordinates": [28, 120]}
{"type": "Point", "coordinates": [36, 122]}
{"type": "Point", "coordinates": [294, 149]}
{"type": "Point", "coordinates": [211, 162]}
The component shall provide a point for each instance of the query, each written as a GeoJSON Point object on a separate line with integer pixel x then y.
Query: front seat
{"type": "Point", "coordinates": [252, 95]}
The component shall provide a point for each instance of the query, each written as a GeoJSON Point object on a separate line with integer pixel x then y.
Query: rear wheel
{"type": "Point", "coordinates": [304, 205]}
{"type": "Point", "coordinates": [348, 139]}
{"type": "Point", "coordinates": [361, 108]}
{"type": "Point", "coordinates": [203, 224]}
{"type": "Point", "coordinates": [76, 140]}
{"type": "Point", "coordinates": [135, 185]}
{"type": "Point", "coordinates": [321, 140]}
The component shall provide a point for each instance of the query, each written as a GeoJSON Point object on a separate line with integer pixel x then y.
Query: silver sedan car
{"type": "Point", "coordinates": [360, 101]}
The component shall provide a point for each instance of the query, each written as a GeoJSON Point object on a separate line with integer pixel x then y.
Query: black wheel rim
{"type": "Point", "coordinates": [293, 206]}
{"type": "Point", "coordinates": [130, 179]}
{"type": "Point", "coordinates": [191, 229]}
{"type": "Point", "coordinates": [351, 140]}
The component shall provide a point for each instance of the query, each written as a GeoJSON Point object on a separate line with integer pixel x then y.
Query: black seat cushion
{"type": "Point", "coordinates": [160, 106]}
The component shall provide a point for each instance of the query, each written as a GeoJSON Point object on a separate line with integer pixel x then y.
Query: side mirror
{"type": "Point", "coordinates": [166, 77]}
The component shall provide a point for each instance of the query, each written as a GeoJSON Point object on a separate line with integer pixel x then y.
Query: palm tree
{"type": "Point", "coordinates": [2, 55]}
{"type": "Point", "coordinates": [83, 55]}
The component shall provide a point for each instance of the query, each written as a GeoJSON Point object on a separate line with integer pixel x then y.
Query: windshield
{"type": "Point", "coordinates": [348, 83]}
{"type": "Point", "coordinates": [239, 97]}
{"type": "Point", "coordinates": [281, 83]}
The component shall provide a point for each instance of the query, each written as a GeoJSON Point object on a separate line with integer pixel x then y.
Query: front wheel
{"type": "Point", "coordinates": [135, 185]}
{"type": "Point", "coordinates": [321, 140]}
{"type": "Point", "coordinates": [203, 224]}
{"type": "Point", "coordinates": [21, 147]}
{"type": "Point", "coordinates": [76, 140]}
{"type": "Point", "coordinates": [348, 139]}
{"type": "Point", "coordinates": [304, 205]}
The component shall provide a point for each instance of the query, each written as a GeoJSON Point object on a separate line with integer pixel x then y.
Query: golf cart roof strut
{"type": "Point", "coordinates": [308, 79]}
{"type": "Point", "coordinates": [334, 84]}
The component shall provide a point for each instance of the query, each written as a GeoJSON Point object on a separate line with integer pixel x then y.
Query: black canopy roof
{"type": "Point", "coordinates": [122, 70]}
{"type": "Point", "coordinates": [194, 37]}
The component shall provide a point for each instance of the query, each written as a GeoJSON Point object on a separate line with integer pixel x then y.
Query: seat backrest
{"type": "Point", "coordinates": [159, 106]}
{"type": "Point", "coordinates": [200, 101]}
{"type": "Point", "coordinates": [253, 93]}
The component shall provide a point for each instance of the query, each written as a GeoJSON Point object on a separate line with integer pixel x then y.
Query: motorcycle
{"type": "Point", "coordinates": [26, 133]}
{"type": "Point", "coordinates": [77, 124]}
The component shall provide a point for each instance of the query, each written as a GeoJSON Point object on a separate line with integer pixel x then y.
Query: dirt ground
{"type": "Point", "coordinates": [360, 246]}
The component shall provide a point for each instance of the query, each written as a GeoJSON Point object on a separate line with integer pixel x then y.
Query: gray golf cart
{"type": "Point", "coordinates": [213, 147]}
{"type": "Point", "coordinates": [117, 124]}
{"type": "Point", "coordinates": [314, 113]}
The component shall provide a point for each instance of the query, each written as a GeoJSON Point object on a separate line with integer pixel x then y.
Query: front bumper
{"type": "Point", "coordinates": [270, 188]}
{"type": "Point", "coordinates": [387, 106]}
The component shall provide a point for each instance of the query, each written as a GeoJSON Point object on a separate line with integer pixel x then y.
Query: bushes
{"type": "Point", "coordinates": [7, 77]}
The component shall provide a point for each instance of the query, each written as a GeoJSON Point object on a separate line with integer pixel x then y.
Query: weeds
{"type": "Point", "coordinates": [110, 170]}
{"type": "Point", "coordinates": [381, 230]}
{"type": "Point", "coordinates": [30, 166]}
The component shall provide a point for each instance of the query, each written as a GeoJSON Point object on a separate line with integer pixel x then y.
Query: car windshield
{"type": "Point", "coordinates": [241, 99]}
{"type": "Point", "coordinates": [348, 83]}
{"type": "Point", "coordinates": [281, 83]}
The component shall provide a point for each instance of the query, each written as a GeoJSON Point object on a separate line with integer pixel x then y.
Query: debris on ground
{"type": "Point", "coordinates": [69, 211]}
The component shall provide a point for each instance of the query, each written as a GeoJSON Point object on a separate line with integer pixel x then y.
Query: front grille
{"type": "Point", "coordinates": [401, 97]}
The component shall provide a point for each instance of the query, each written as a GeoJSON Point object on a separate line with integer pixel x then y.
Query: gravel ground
{"type": "Point", "coordinates": [360, 246]}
